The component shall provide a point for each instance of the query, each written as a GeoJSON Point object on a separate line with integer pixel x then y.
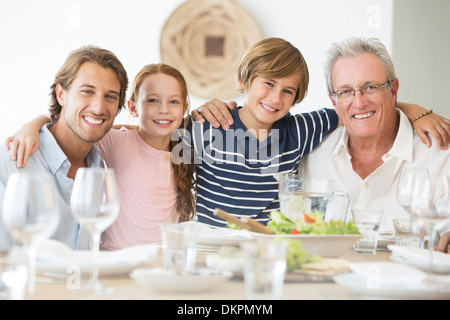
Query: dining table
{"type": "Point", "coordinates": [126, 288]}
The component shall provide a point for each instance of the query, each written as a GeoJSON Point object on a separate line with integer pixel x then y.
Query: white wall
{"type": "Point", "coordinates": [421, 52]}
{"type": "Point", "coordinates": [36, 36]}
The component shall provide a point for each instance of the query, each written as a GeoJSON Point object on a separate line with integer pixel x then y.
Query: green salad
{"type": "Point", "coordinates": [296, 256]}
{"type": "Point", "coordinates": [311, 223]}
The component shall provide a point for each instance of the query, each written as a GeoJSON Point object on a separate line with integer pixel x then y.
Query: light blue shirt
{"type": "Point", "coordinates": [49, 157]}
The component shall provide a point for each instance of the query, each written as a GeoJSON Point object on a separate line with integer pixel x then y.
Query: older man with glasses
{"type": "Point", "coordinates": [366, 155]}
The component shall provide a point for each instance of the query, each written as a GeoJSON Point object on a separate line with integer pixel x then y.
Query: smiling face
{"type": "Point", "coordinates": [90, 104]}
{"type": "Point", "coordinates": [364, 117]}
{"type": "Point", "coordinates": [160, 107]}
{"type": "Point", "coordinates": [268, 100]}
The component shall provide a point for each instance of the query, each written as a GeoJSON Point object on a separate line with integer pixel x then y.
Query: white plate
{"type": "Point", "coordinates": [56, 259]}
{"type": "Point", "coordinates": [64, 271]}
{"type": "Point", "coordinates": [158, 279]}
{"type": "Point", "coordinates": [360, 285]}
{"type": "Point", "coordinates": [211, 238]}
{"type": "Point", "coordinates": [214, 242]}
{"type": "Point", "coordinates": [331, 246]}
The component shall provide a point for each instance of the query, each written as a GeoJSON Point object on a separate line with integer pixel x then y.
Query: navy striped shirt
{"type": "Point", "coordinates": [235, 172]}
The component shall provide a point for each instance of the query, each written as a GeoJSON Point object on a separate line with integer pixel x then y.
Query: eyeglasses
{"type": "Point", "coordinates": [369, 90]}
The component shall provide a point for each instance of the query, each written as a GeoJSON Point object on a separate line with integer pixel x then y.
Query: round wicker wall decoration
{"type": "Point", "coordinates": [205, 40]}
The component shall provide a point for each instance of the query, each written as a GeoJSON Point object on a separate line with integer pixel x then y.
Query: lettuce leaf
{"type": "Point", "coordinates": [296, 256]}
{"type": "Point", "coordinates": [280, 224]}
{"type": "Point", "coordinates": [311, 223]}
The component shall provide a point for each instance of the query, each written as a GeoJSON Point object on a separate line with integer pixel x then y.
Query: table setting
{"type": "Point", "coordinates": [302, 256]}
{"type": "Point", "coordinates": [390, 280]}
{"type": "Point", "coordinates": [56, 259]}
{"type": "Point", "coordinates": [220, 275]}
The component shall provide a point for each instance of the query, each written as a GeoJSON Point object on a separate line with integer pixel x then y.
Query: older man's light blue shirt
{"type": "Point", "coordinates": [49, 157]}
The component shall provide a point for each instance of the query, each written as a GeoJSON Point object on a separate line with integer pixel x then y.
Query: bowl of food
{"type": "Point", "coordinates": [317, 237]}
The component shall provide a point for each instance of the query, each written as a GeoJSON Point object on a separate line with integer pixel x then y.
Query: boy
{"type": "Point", "coordinates": [236, 168]}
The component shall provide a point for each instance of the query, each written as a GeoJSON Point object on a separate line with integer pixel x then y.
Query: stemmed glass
{"type": "Point", "coordinates": [414, 191]}
{"type": "Point", "coordinates": [441, 205]}
{"type": "Point", "coordinates": [30, 214]}
{"type": "Point", "coordinates": [417, 194]}
{"type": "Point", "coordinates": [95, 205]}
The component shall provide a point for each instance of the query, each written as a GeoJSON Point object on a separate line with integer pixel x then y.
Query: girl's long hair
{"type": "Point", "coordinates": [184, 172]}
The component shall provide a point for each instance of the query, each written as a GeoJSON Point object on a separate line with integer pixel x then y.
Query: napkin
{"type": "Point", "coordinates": [56, 252]}
{"type": "Point", "coordinates": [420, 256]}
{"type": "Point", "coordinates": [392, 275]}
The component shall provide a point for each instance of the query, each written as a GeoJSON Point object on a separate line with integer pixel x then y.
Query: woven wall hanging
{"type": "Point", "coordinates": [205, 40]}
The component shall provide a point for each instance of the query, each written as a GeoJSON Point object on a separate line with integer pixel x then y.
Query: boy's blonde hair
{"type": "Point", "coordinates": [274, 58]}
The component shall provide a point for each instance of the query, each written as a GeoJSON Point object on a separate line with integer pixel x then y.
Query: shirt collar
{"type": "Point", "coordinates": [237, 123]}
{"type": "Point", "coordinates": [403, 143]}
{"type": "Point", "coordinates": [278, 125]}
{"type": "Point", "coordinates": [55, 157]}
{"type": "Point", "coordinates": [342, 142]}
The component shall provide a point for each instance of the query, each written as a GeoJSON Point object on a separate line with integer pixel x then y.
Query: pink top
{"type": "Point", "coordinates": [146, 185]}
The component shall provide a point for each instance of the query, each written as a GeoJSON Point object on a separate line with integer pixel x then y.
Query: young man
{"type": "Point", "coordinates": [87, 93]}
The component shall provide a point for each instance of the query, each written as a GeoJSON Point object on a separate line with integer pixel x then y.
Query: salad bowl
{"type": "Point", "coordinates": [327, 239]}
{"type": "Point", "coordinates": [327, 245]}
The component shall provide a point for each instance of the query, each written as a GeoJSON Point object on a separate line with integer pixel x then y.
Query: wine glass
{"type": "Point", "coordinates": [440, 216]}
{"type": "Point", "coordinates": [95, 205]}
{"type": "Point", "coordinates": [31, 214]}
{"type": "Point", "coordinates": [415, 193]}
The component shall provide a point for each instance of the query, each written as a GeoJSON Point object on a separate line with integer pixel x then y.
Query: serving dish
{"type": "Point", "coordinates": [329, 245]}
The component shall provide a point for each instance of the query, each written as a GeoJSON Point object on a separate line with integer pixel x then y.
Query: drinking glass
{"type": "Point", "coordinates": [368, 223]}
{"type": "Point", "coordinates": [95, 205]}
{"type": "Point", "coordinates": [440, 215]}
{"type": "Point", "coordinates": [179, 240]}
{"type": "Point", "coordinates": [415, 193]}
{"type": "Point", "coordinates": [264, 268]}
{"type": "Point", "coordinates": [30, 214]}
{"type": "Point", "coordinates": [408, 233]}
